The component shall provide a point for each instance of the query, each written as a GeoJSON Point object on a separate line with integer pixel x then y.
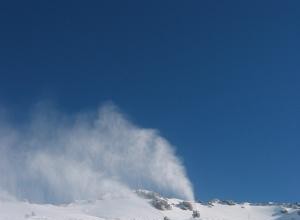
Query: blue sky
{"type": "Point", "coordinates": [220, 80]}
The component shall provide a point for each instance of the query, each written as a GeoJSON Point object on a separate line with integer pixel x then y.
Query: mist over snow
{"type": "Point", "coordinates": [56, 158]}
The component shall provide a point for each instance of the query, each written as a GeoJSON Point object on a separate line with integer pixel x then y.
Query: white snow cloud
{"type": "Point", "coordinates": [59, 158]}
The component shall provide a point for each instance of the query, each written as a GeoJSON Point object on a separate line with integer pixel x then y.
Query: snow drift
{"type": "Point", "coordinates": [58, 158]}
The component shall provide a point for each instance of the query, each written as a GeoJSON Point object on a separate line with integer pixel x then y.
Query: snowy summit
{"type": "Point", "coordinates": [146, 205]}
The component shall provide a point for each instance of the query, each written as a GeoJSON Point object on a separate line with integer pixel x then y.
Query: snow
{"type": "Point", "coordinates": [136, 208]}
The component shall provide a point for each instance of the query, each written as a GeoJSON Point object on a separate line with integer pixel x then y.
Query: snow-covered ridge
{"type": "Point", "coordinates": [147, 205]}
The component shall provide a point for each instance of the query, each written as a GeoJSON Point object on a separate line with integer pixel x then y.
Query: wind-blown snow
{"type": "Point", "coordinates": [57, 158]}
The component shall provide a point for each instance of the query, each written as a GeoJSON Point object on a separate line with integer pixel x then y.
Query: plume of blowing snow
{"type": "Point", "coordinates": [58, 158]}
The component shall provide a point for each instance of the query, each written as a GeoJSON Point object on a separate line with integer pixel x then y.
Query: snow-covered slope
{"type": "Point", "coordinates": [146, 206]}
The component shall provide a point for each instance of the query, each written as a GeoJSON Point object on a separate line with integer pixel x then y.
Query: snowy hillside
{"type": "Point", "coordinates": [146, 206]}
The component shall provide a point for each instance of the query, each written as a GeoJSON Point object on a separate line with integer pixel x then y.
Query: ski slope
{"type": "Point", "coordinates": [141, 208]}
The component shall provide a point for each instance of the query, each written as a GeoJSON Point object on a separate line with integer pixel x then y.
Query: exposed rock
{"type": "Point", "coordinates": [155, 199]}
{"type": "Point", "coordinates": [185, 205]}
{"type": "Point", "coordinates": [196, 214]}
{"type": "Point", "coordinates": [161, 204]}
{"type": "Point", "coordinates": [227, 202]}
{"type": "Point", "coordinates": [147, 194]}
{"type": "Point", "coordinates": [223, 202]}
{"type": "Point", "coordinates": [210, 204]}
{"type": "Point", "coordinates": [284, 211]}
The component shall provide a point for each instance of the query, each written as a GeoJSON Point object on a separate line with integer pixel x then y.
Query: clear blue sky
{"type": "Point", "coordinates": [219, 79]}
